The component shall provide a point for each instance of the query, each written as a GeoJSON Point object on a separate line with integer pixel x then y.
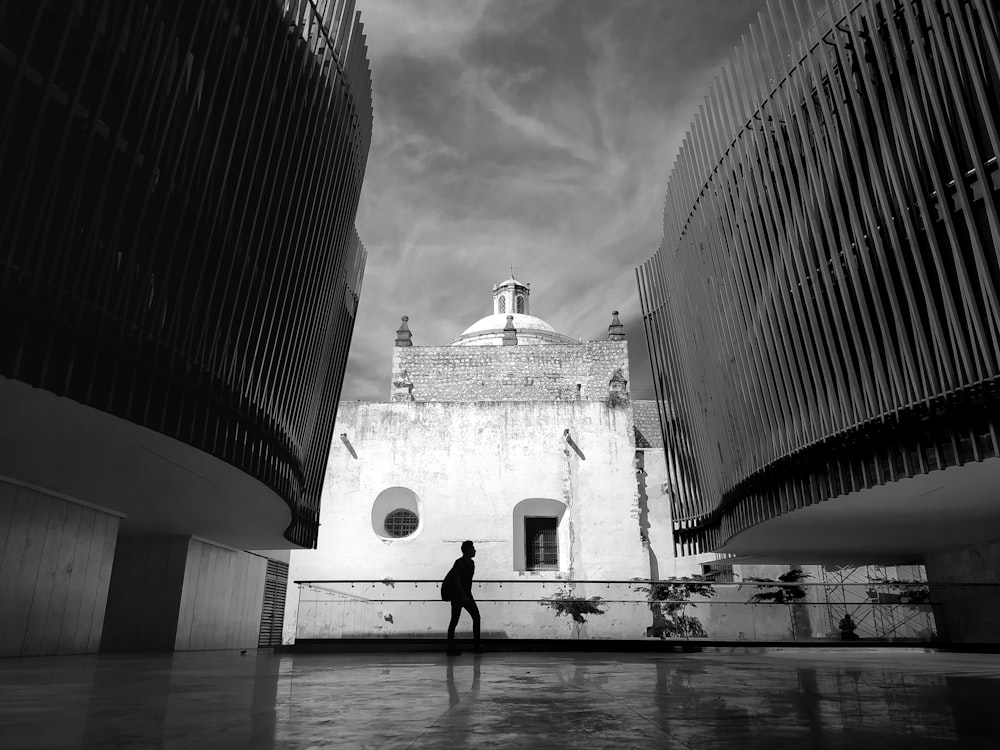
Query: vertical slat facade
{"type": "Point", "coordinates": [272, 616]}
{"type": "Point", "coordinates": [177, 241]}
{"type": "Point", "coordinates": [823, 314]}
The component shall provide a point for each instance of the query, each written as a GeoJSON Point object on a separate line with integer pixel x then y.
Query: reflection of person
{"type": "Point", "coordinates": [453, 697]}
{"type": "Point", "coordinates": [460, 595]}
{"type": "Point", "coordinates": [847, 628]}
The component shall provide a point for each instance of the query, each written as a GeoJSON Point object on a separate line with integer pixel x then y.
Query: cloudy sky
{"type": "Point", "coordinates": [537, 134]}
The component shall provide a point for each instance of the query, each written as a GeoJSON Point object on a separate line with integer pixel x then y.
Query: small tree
{"type": "Point", "coordinates": [578, 608]}
{"type": "Point", "coordinates": [789, 594]}
{"type": "Point", "coordinates": [780, 594]}
{"type": "Point", "coordinates": [669, 601]}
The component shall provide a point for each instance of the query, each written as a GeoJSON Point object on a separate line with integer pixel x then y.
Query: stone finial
{"type": "Point", "coordinates": [618, 382]}
{"type": "Point", "coordinates": [617, 389]}
{"type": "Point", "coordinates": [616, 331]}
{"type": "Point", "coordinates": [402, 386]}
{"type": "Point", "coordinates": [403, 335]}
{"type": "Point", "coordinates": [509, 332]}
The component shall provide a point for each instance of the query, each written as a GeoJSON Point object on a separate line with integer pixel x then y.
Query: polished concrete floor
{"type": "Point", "coordinates": [780, 699]}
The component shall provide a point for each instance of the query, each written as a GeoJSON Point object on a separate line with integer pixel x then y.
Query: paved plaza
{"type": "Point", "coordinates": [778, 699]}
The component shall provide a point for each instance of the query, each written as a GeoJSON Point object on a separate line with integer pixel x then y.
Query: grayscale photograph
{"type": "Point", "coordinates": [499, 374]}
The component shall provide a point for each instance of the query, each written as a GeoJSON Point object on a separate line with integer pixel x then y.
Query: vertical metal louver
{"type": "Point", "coordinates": [272, 614]}
{"type": "Point", "coordinates": [177, 240]}
{"type": "Point", "coordinates": [823, 314]}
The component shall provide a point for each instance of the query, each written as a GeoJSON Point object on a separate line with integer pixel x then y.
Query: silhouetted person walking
{"type": "Point", "coordinates": [457, 589]}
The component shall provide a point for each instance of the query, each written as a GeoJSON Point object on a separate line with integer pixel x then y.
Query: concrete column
{"type": "Point", "coordinates": [145, 594]}
{"type": "Point", "coordinates": [183, 593]}
{"type": "Point", "coordinates": [970, 613]}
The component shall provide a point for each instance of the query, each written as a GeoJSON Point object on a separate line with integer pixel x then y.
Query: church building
{"type": "Point", "coordinates": [514, 435]}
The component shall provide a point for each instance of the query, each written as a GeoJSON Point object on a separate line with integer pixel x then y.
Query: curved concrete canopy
{"type": "Point", "coordinates": [163, 486]}
{"type": "Point", "coordinates": [897, 522]}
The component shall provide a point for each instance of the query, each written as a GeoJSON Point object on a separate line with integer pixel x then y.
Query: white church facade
{"type": "Point", "coordinates": [526, 441]}
{"type": "Point", "coordinates": [513, 435]}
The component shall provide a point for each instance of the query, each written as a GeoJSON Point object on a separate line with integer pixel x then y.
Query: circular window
{"type": "Point", "coordinates": [401, 522]}
{"type": "Point", "coordinates": [396, 514]}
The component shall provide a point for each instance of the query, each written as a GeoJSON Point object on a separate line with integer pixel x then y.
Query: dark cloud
{"type": "Point", "coordinates": [532, 133]}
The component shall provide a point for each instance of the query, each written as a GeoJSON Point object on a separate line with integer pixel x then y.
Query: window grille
{"type": "Point", "coordinates": [541, 543]}
{"type": "Point", "coordinates": [272, 616]}
{"type": "Point", "coordinates": [520, 305]}
{"type": "Point", "coordinates": [401, 522]}
{"type": "Point", "coordinates": [502, 305]}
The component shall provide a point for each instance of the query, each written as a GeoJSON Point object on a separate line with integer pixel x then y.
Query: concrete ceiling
{"type": "Point", "coordinates": [896, 522]}
{"type": "Point", "coordinates": [163, 486]}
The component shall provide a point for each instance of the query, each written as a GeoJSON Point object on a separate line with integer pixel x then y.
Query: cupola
{"type": "Point", "coordinates": [510, 297]}
{"type": "Point", "coordinates": [511, 323]}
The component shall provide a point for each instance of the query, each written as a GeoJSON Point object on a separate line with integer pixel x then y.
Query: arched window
{"type": "Point", "coordinates": [540, 538]}
{"type": "Point", "coordinates": [502, 304]}
{"type": "Point", "coordinates": [520, 305]}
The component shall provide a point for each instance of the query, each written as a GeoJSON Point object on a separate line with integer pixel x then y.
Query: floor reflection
{"type": "Point", "coordinates": [774, 700]}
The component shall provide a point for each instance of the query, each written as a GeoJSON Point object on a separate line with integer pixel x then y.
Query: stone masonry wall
{"type": "Point", "coordinates": [507, 373]}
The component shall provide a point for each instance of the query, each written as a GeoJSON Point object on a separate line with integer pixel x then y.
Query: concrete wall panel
{"type": "Point", "coordinates": [55, 562]}
{"type": "Point", "coordinates": [970, 613]}
{"type": "Point", "coordinates": [222, 598]}
{"type": "Point", "coordinates": [102, 554]}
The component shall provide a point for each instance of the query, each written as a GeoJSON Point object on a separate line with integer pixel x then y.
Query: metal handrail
{"type": "Point", "coordinates": [646, 582]}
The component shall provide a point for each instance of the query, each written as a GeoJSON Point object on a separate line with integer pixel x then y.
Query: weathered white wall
{"type": "Point", "coordinates": [469, 465]}
{"type": "Point", "coordinates": [518, 610]}
{"type": "Point", "coordinates": [55, 566]}
{"type": "Point", "coordinates": [508, 611]}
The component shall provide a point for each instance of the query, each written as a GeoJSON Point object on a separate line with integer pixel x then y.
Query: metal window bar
{"type": "Point", "coordinates": [542, 544]}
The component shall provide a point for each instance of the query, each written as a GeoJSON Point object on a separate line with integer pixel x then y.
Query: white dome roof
{"type": "Point", "coordinates": [488, 331]}
{"type": "Point", "coordinates": [499, 321]}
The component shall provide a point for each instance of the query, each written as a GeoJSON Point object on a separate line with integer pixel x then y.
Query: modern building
{"type": "Point", "coordinates": [179, 273]}
{"type": "Point", "coordinates": [824, 311]}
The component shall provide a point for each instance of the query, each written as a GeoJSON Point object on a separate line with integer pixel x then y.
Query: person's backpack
{"type": "Point", "coordinates": [448, 586]}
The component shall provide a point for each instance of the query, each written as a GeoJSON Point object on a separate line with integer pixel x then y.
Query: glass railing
{"type": "Point", "coordinates": [625, 610]}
